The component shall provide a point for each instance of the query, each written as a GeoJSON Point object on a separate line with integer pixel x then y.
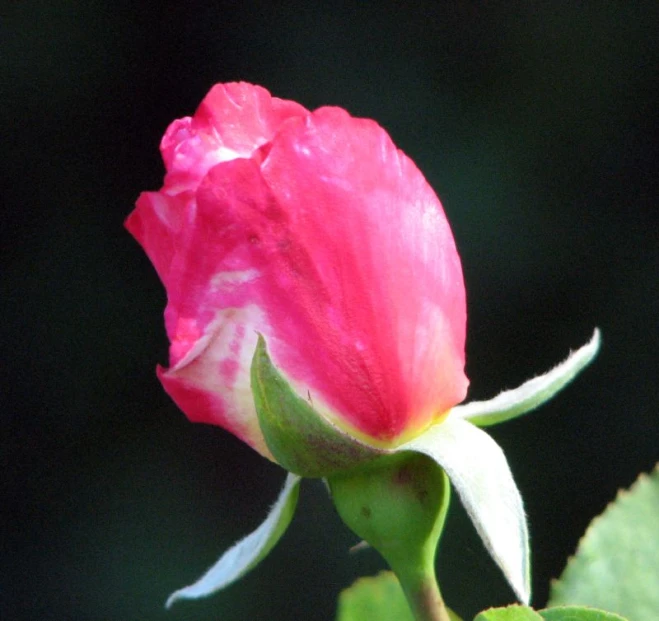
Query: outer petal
{"type": "Point", "coordinates": [155, 223]}
{"type": "Point", "coordinates": [365, 292]}
{"type": "Point", "coordinates": [214, 310]}
{"type": "Point", "coordinates": [232, 121]}
{"type": "Point", "coordinates": [207, 377]}
{"type": "Point", "coordinates": [211, 383]}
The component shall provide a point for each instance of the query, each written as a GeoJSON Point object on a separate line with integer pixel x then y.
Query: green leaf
{"type": "Point", "coordinates": [567, 613]}
{"type": "Point", "coordinates": [530, 395]}
{"type": "Point", "coordinates": [510, 613]}
{"type": "Point", "coordinates": [616, 566]}
{"type": "Point", "coordinates": [478, 469]}
{"type": "Point", "coordinates": [578, 613]}
{"type": "Point", "coordinates": [299, 437]}
{"type": "Point", "coordinates": [378, 598]}
{"type": "Point", "coordinates": [247, 553]}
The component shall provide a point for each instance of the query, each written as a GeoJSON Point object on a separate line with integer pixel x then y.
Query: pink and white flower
{"type": "Point", "coordinates": [313, 233]}
{"type": "Point", "coordinates": [314, 230]}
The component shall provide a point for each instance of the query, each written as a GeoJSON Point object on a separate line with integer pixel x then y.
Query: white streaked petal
{"type": "Point", "coordinates": [479, 472]}
{"type": "Point", "coordinates": [211, 381]}
{"type": "Point", "coordinates": [247, 553]}
{"type": "Point", "coordinates": [513, 403]}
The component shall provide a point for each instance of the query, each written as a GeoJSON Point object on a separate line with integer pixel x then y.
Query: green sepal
{"type": "Point", "coordinates": [301, 439]}
{"type": "Point", "coordinates": [479, 471]}
{"type": "Point", "coordinates": [531, 394]}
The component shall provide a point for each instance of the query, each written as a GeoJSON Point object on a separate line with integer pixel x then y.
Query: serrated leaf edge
{"type": "Point", "coordinates": [495, 608]}
{"type": "Point", "coordinates": [568, 607]}
{"type": "Point", "coordinates": [621, 495]}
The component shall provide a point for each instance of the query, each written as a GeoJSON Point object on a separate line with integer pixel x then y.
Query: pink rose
{"type": "Point", "coordinates": [316, 309]}
{"type": "Point", "coordinates": [315, 231]}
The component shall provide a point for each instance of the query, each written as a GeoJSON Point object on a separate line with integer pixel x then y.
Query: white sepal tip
{"type": "Point", "coordinates": [248, 552]}
{"type": "Point", "coordinates": [531, 394]}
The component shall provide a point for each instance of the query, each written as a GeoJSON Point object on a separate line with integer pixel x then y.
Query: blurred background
{"type": "Point", "coordinates": [536, 123]}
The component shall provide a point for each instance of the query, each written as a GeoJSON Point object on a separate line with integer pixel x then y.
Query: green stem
{"type": "Point", "coordinates": [423, 595]}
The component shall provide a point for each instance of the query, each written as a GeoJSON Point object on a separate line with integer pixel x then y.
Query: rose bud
{"type": "Point", "coordinates": [316, 310]}
{"type": "Point", "coordinates": [315, 231]}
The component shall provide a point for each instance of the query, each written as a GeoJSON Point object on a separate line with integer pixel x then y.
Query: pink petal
{"type": "Point", "coordinates": [353, 264]}
{"type": "Point", "coordinates": [314, 230]}
{"type": "Point", "coordinates": [212, 384]}
{"type": "Point", "coordinates": [155, 223]}
{"type": "Point", "coordinates": [232, 121]}
{"type": "Point", "coordinates": [370, 303]}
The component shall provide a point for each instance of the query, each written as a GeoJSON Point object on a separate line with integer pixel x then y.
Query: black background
{"type": "Point", "coordinates": [536, 124]}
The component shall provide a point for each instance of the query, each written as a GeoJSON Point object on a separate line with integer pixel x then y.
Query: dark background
{"type": "Point", "coordinates": [535, 122]}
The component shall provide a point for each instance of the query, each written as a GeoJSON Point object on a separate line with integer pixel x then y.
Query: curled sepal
{"type": "Point", "coordinates": [247, 553]}
{"type": "Point", "coordinates": [299, 437]}
{"type": "Point", "coordinates": [398, 505]}
{"type": "Point", "coordinates": [479, 471]}
{"type": "Point", "coordinates": [532, 394]}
